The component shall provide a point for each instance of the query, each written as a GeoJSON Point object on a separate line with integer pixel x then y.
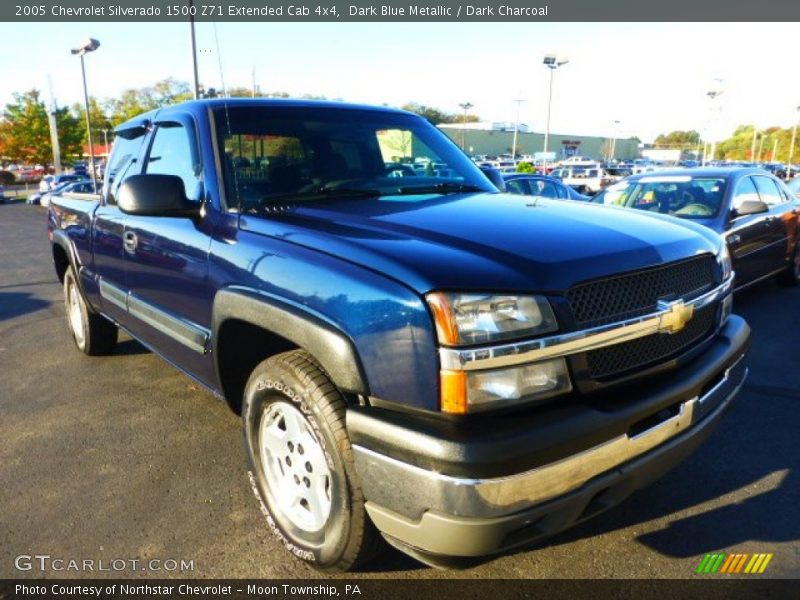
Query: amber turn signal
{"type": "Point", "coordinates": [446, 329]}
{"type": "Point", "coordinates": [453, 386]}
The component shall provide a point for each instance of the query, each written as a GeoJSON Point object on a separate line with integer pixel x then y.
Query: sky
{"type": "Point", "coordinates": [652, 78]}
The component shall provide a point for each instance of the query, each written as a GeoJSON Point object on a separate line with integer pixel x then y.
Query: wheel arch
{"type": "Point", "coordinates": [64, 254]}
{"type": "Point", "coordinates": [249, 326]}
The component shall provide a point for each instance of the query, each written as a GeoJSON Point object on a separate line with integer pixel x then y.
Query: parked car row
{"type": "Point", "coordinates": [81, 186]}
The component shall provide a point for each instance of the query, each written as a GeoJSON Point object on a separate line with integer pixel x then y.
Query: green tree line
{"type": "Point", "coordinates": [772, 144]}
{"type": "Point", "coordinates": [25, 132]}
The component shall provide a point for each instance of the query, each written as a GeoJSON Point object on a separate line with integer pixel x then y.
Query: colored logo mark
{"type": "Point", "coordinates": [734, 563]}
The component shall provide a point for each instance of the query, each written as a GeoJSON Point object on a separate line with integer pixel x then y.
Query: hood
{"type": "Point", "coordinates": [485, 242]}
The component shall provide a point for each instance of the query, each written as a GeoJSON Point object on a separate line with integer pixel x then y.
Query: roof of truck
{"type": "Point", "coordinates": [193, 106]}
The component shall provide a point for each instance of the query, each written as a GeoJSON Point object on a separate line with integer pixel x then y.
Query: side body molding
{"type": "Point", "coordinates": [330, 346]}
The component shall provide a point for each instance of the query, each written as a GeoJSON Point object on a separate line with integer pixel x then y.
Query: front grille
{"type": "Point", "coordinates": [605, 363]}
{"type": "Point", "coordinates": [635, 294]}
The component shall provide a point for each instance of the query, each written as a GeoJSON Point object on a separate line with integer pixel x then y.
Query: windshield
{"type": "Point", "coordinates": [277, 154]}
{"type": "Point", "coordinates": [681, 196]}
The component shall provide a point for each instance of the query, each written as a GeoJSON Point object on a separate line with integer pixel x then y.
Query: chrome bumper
{"type": "Point", "coordinates": [403, 500]}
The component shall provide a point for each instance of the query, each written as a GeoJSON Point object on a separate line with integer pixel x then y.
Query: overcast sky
{"type": "Point", "coordinates": [652, 78]}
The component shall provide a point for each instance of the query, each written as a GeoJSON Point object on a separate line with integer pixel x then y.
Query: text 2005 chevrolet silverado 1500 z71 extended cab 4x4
{"type": "Point", "coordinates": [462, 370]}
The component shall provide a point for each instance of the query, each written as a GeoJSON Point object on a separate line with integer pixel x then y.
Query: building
{"type": "Point", "coordinates": [498, 138]}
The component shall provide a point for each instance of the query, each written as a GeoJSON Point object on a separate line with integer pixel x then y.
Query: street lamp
{"type": "Point", "coordinates": [791, 147]}
{"type": "Point", "coordinates": [551, 62]}
{"type": "Point", "coordinates": [516, 131]}
{"type": "Point", "coordinates": [90, 45]}
{"type": "Point", "coordinates": [466, 106]}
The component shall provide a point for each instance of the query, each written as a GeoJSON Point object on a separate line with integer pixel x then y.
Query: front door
{"type": "Point", "coordinates": [749, 236]}
{"type": "Point", "coordinates": [166, 258]}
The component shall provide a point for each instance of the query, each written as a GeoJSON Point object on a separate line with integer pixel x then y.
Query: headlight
{"type": "Point", "coordinates": [479, 318]}
{"type": "Point", "coordinates": [724, 260]}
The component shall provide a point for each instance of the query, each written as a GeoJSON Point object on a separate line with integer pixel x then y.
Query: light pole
{"type": "Point", "coordinates": [466, 106]}
{"type": "Point", "coordinates": [516, 131]}
{"type": "Point", "coordinates": [90, 45]}
{"type": "Point", "coordinates": [791, 147]}
{"type": "Point", "coordinates": [760, 147]}
{"type": "Point", "coordinates": [552, 63]}
{"type": "Point", "coordinates": [713, 95]}
{"type": "Point", "coordinates": [613, 141]}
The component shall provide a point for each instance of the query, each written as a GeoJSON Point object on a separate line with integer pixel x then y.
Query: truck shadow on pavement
{"type": "Point", "coordinates": [750, 485]}
{"type": "Point", "coordinates": [16, 304]}
{"type": "Point", "coordinates": [742, 485]}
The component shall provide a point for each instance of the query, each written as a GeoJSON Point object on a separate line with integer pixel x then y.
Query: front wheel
{"type": "Point", "coordinates": [93, 334]}
{"type": "Point", "coordinates": [301, 463]}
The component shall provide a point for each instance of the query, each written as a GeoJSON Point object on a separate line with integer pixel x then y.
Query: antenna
{"type": "Point", "coordinates": [219, 62]}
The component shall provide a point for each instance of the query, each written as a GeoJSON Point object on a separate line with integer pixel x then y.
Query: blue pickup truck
{"type": "Point", "coordinates": [413, 353]}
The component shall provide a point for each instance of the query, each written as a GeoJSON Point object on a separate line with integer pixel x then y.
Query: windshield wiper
{"type": "Point", "coordinates": [319, 194]}
{"type": "Point", "coordinates": [441, 188]}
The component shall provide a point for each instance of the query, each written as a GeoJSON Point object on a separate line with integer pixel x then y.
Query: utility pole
{"type": "Point", "coordinates": [791, 147]}
{"type": "Point", "coordinates": [519, 101]}
{"type": "Point", "coordinates": [51, 121]}
{"type": "Point", "coordinates": [753, 146]}
{"type": "Point", "coordinates": [194, 52]}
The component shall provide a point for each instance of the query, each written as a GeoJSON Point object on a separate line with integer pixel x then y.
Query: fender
{"type": "Point", "coordinates": [60, 238]}
{"type": "Point", "coordinates": [329, 345]}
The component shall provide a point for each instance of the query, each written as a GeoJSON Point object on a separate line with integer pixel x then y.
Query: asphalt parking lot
{"type": "Point", "coordinates": [123, 457]}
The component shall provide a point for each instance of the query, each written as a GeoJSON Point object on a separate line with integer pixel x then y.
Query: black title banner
{"type": "Point", "coordinates": [396, 10]}
{"type": "Point", "coordinates": [388, 589]}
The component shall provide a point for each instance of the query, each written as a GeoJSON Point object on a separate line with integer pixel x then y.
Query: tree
{"type": "Point", "coordinates": [525, 167]}
{"type": "Point", "coordinates": [678, 138]}
{"type": "Point", "coordinates": [171, 91]}
{"type": "Point", "coordinates": [25, 132]}
{"type": "Point", "coordinates": [130, 104]}
{"type": "Point", "coordinates": [99, 119]}
{"type": "Point", "coordinates": [133, 102]}
{"type": "Point", "coordinates": [436, 116]}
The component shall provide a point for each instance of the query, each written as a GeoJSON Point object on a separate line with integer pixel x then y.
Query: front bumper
{"type": "Point", "coordinates": [433, 513]}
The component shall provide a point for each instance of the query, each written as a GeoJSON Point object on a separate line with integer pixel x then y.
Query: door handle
{"type": "Point", "coordinates": [129, 241]}
{"type": "Point", "coordinates": [734, 239]}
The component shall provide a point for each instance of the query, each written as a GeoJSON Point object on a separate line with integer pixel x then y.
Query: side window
{"type": "Point", "coordinates": [171, 154]}
{"type": "Point", "coordinates": [517, 186]}
{"type": "Point", "coordinates": [745, 190]}
{"type": "Point", "coordinates": [544, 188]}
{"type": "Point", "coordinates": [768, 191]}
{"type": "Point", "coordinates": [122, 162]}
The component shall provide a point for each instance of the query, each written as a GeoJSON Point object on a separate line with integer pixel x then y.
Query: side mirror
{"type": "Point", "coordinates": [495, 177]}
{"type": "Point", "coordinates": [749, 207]}
{"type": "Point", "coordinates": [155, 196]}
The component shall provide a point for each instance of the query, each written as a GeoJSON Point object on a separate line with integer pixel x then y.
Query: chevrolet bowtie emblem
{"type": "Point", "coordinates": [675, 317]}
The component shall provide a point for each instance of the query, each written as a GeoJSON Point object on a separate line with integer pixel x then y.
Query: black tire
{"type": "Point", "coordinates": [292, 387]}
{"type": "Point", "coordinates": [791, 276]}
{"type": "Point", "coordinates": [93, 334]}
